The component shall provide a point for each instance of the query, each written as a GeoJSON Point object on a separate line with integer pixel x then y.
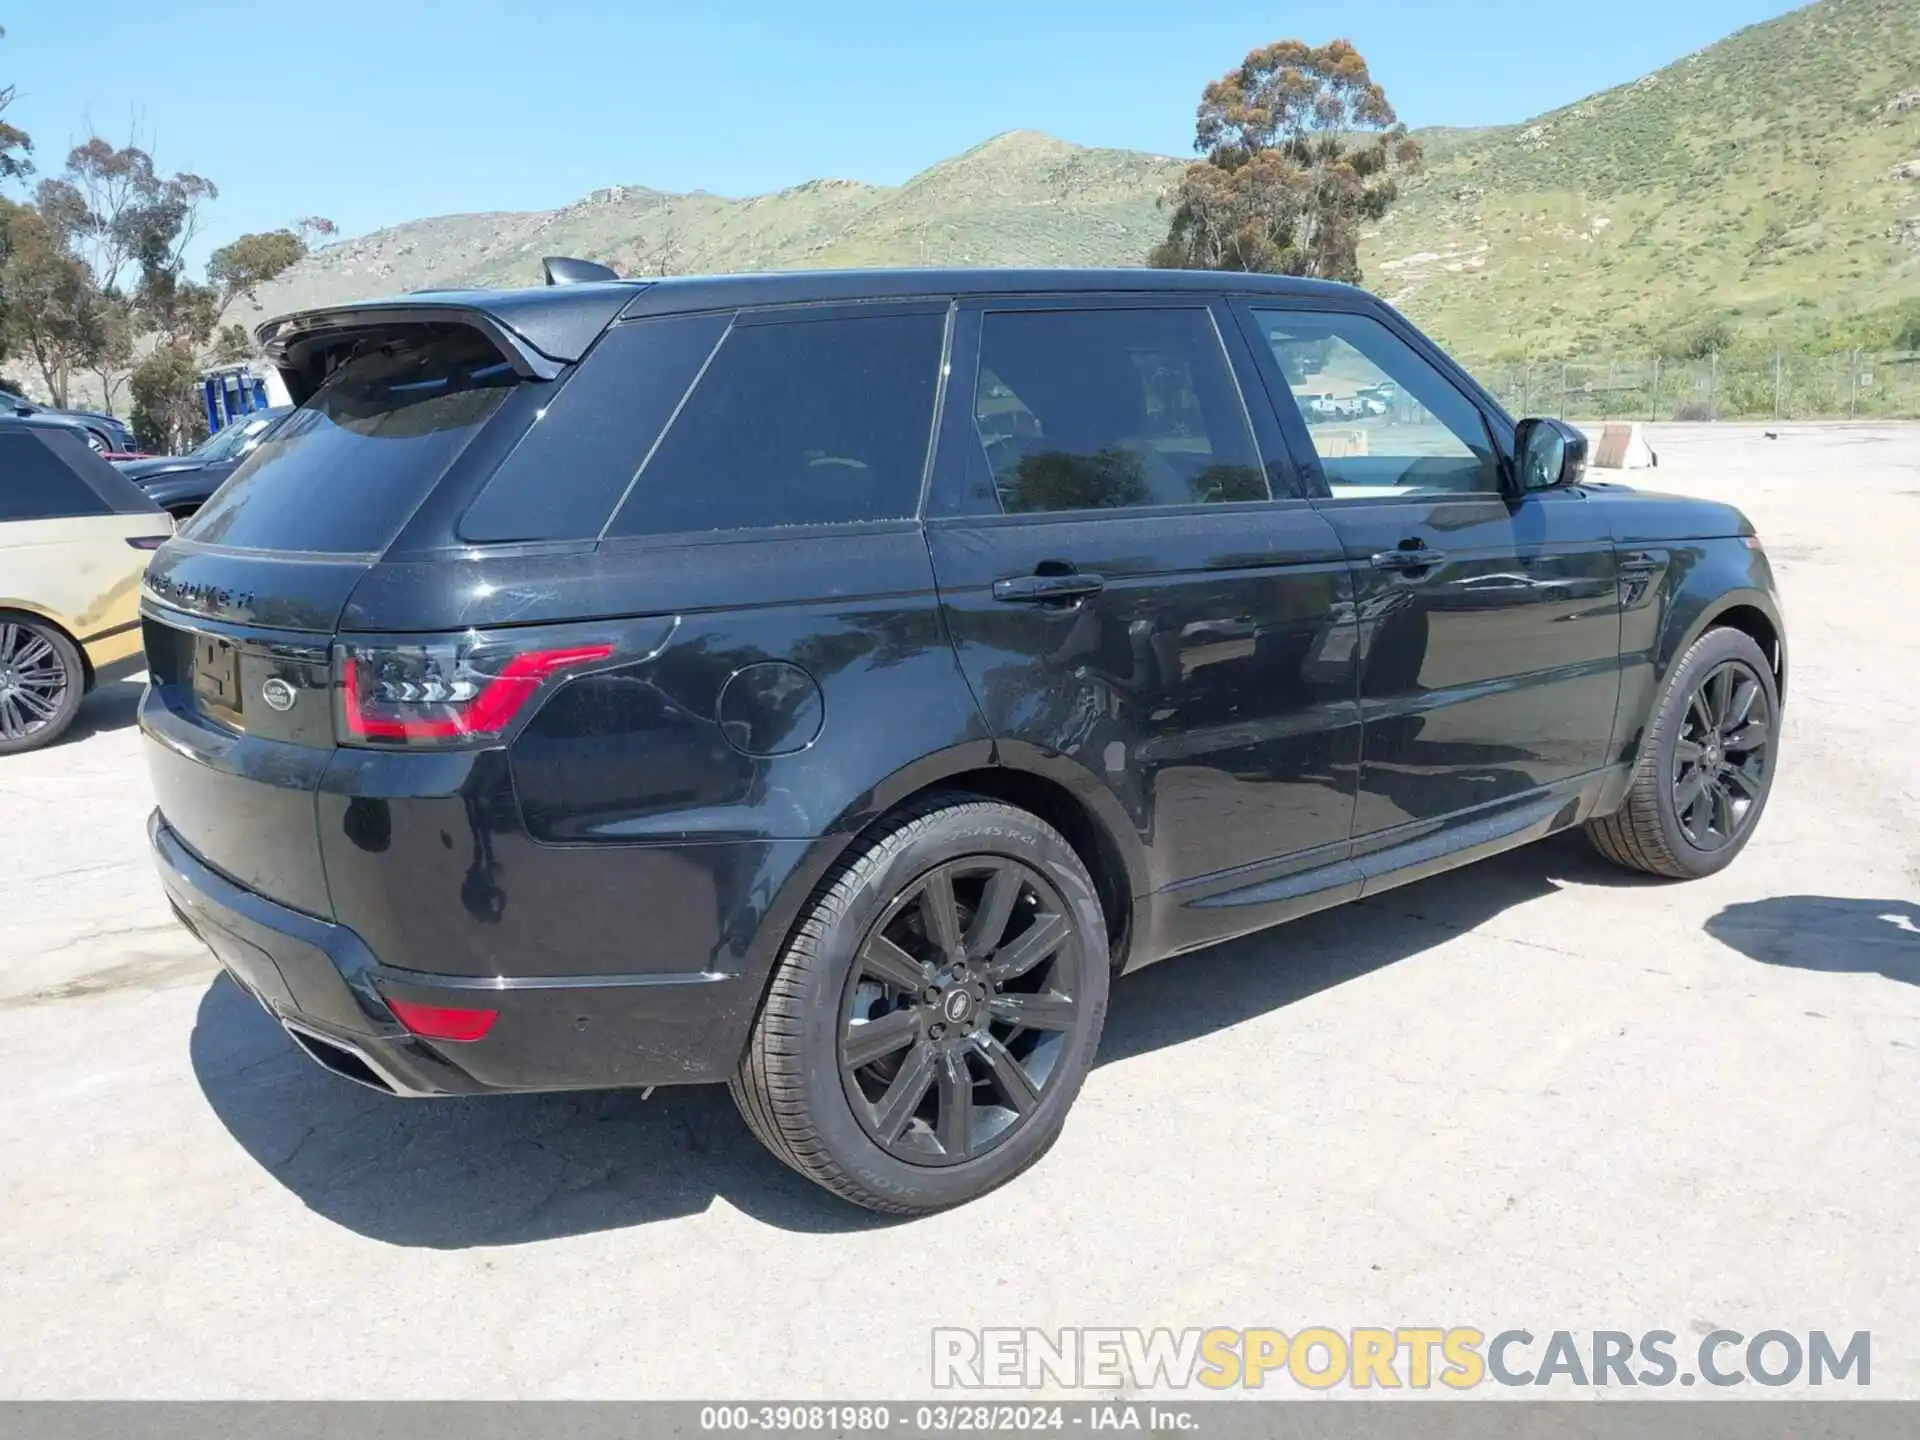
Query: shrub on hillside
{"type": "Point", "coordinates": [1697, 342]}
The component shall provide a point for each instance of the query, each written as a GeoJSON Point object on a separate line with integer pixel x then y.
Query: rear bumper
{"type": "Point", "coordinates": [324, 984]}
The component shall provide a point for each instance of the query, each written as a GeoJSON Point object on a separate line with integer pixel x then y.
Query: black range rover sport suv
{"type": "Point", "coordinates": [826, 684]}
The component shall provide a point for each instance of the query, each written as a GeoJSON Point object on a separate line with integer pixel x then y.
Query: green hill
{"type": "Point", "coordinates": [1770, 182]}
{"type": "Point", "coordinates": [1766, 188]}
{"type": "Point", "coordinates": [1019, 199]}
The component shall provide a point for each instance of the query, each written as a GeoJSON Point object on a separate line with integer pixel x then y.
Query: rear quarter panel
{"type": "Point", "coordinates": [671, 814]}
{"type": "Point", "coordinates": [81, 574]}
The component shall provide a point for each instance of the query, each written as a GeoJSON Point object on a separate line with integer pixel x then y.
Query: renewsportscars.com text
{"type": "Point", "coordinates": [1392, 1358]}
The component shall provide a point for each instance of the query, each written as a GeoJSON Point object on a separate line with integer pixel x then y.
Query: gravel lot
{"type": "Point", "coordinates": [1538, 1093]}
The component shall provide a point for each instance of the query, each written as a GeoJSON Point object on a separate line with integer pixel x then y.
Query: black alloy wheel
{"type": "Point", "coordinates": [40, 683]}
{"type": "Point", "coordinates": [1720, 757]}
{"type": "Point", "coordinates": [957, 1009]}
{"type": "Point", "coordinates": [934, 1010]}
{"type": "Point", "coordinates": [1706, 764]}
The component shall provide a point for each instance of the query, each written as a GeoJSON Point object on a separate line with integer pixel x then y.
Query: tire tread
{"type": "Point", "coordinates": [1635, 836]}
{"type": "Point", "coordinates": [766, 1085]}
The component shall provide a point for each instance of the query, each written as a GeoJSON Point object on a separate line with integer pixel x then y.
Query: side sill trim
{"type": "Point", "coordinates": [1530, 818]}
{"type": "Point", "coordinates": [1287, 887]}
{"type": "Point", "coordinates": [547, 982]}
{"type": "Point", "coordinates": [110, 632]}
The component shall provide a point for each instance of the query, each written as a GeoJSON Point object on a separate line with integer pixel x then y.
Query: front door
{"type": "Point", "coordinates": [1136, 609]}
{"type": "Point", "coordinates": [1489, 622]}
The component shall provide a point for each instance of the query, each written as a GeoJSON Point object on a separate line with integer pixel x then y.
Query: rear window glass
{"type": "Point", "coordinates": [575, 462]}
{"type": "Point", "coordinates": [798, 422]}
{"type": "Point", "coordinates": [346, 469]}
{"type": "Point", "coordinates": [35, 484]}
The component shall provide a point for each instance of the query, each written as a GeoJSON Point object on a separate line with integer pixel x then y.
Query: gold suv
{"type": "Point", "coordinates": [75, 538]}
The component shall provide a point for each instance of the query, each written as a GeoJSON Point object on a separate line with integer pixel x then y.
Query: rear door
{"type": "Point", "coordinates": [1140, 600]}
{"type": "Point", "coordinates": [1489, 621]}
{"type": "Point", "coordinates": [241, 607]}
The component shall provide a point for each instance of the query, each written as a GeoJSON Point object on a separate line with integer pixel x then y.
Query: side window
{"type": "Point", "coordinates": [35, 484]}
{"type": "Point", "coordinates": [1383, 421]}
{"type": "Point", "coordinates": [1108, 409]}
{"type": "Point", "coordinates": [576, 460]}
{"type": "Point", "coordinates": [797, 422]}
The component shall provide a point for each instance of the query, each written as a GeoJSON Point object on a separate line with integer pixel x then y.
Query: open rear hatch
{"type": "Point", "coordinates": [240, 610]}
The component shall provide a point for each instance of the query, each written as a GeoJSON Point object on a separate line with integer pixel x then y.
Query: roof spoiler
{"type": "Point", "coordinates": [564, 270]}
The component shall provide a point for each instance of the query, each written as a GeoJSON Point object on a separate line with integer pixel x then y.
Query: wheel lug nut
{"type": "Point", "coordinates": [931, 994]}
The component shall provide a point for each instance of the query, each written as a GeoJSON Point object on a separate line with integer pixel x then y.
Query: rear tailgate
{"type": "Point", "coordinates": [234, 775]}
{"type": "Point", "coordinates": [240, 609]}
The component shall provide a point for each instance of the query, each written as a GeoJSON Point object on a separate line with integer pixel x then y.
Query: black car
{"type": "Point", "coordinates": [180, 484]}
{"type": "Point", "coordinates": [826, 683]}
{"type": "Point", "coordinates": [105, 434]}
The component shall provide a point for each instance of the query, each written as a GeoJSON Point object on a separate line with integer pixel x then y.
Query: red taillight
{"type": "Point", "coordinates": [440, 692]}
{"type": "Point", "coordinates": [443, 1022]}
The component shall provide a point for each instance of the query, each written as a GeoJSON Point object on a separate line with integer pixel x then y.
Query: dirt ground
{"type": "Point", "coordinates": [1539, 1093]}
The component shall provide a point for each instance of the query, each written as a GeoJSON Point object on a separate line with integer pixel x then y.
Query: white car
{"type": "Point", "coordinates": [75, 538]}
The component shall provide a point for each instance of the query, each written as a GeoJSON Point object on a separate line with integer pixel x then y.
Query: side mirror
{"type": "Point", "coordinates": [1549, 455]}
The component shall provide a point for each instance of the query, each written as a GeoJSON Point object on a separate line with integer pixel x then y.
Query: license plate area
{"type": "Point", "coordinates": [216, 676]}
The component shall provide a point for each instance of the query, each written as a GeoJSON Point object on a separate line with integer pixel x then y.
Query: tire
{"type": "Point", "coordinates": [42, 681]}
{"type": "Point", "coordinates": [1651, 831]}
{"type": "Point", "coordinates": [864, 970]}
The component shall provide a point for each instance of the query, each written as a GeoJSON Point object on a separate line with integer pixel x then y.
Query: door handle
{"type": "Point", "coordinates": [1408, 558]}
{"type": "Point", "coordinates": [1047, 589]}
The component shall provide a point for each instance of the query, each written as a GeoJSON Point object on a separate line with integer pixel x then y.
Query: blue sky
{"type": "Point", "coordinates": [376, 113]}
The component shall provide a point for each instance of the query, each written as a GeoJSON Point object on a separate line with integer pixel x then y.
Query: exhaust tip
{"type": "Point", "coordinates": [342, 1060]}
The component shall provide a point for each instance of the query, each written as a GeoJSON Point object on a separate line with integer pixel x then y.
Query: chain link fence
{"type": "Point", "coordinates": [1782, 385]}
